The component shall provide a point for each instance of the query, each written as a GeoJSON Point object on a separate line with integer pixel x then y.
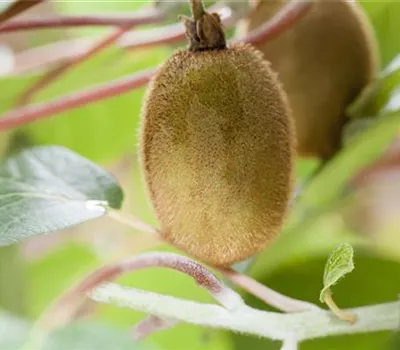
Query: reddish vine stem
{"type": "Point", "coordinates": [269, 296]}
{"type": "Point", "coordinates": [50, 54]}
{"type": "Point", "coordinates": [18, 7]}
{"type": "Point", "coordinates": [36, 58]}
{"type": "Point", "coordinates": [31, 113]}
{"type": "Point", "coordinates": [68, 305]}
{"type": "Point", "coordinates": [148, 16]}
{"type": "Point", "coordinates": [170, 34]}
{"type": "Point", "coordinates": [284, 19]}
{"type": "Point", "coordinates": [61, 50]}
{"type": "Point", "coordinates": [294, 11]}
{"type": "Point", "coordinates": [53, 74]}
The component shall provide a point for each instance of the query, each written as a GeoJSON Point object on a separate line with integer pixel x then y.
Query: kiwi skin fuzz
{"type": "Point", "coordinates": [217, 152]}
{"type": "Point", "coordinates": [323, 61]}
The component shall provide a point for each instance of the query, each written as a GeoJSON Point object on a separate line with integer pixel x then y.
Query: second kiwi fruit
{"type": "Point", "coordinates": [217, 146]}
{"type": "Point", "coordinates": [324, 61]}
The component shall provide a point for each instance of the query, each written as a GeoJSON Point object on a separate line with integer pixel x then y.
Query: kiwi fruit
{"type": "Point", "coordinates": [323, 61]}
{"type": "Point", "coordinates": [217, 146]}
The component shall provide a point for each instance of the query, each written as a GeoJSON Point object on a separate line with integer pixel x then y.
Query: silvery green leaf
{"type": "Point", "coordinates": [45, 189]}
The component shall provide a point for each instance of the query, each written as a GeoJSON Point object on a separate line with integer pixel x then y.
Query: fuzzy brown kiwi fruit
{"type": "Point", "coordinates": [217, 146]}
{"type": "Point", "coordinates": [323, 61]}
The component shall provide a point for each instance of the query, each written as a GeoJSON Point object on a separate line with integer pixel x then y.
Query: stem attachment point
{"type": "Point", "coordinates": [343, 315]}
{"type": "Point", "coordinates": [203, 31]}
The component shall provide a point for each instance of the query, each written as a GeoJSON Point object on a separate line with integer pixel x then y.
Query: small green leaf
{"type": "Point", "coordinates": [45, 189]}
{"type": "Point", "coordinates": [339, 263]}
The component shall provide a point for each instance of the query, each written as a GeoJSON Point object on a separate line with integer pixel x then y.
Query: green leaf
{"type": "Point", "coordinates": [339, 264]}
{"type": "Point", "coordinates": [45, 189]}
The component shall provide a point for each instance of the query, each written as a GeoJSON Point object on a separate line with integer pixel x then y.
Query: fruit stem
{"type": "Point", "coordinates": [197, 9]}
{"type": "Point", "coordinates": [133, 222]}
{"type": "Point", "coordinates": [204, 31]}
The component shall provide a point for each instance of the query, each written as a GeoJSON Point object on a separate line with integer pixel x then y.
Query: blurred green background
{"type": "Point", "coordinates": [34, 273]}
